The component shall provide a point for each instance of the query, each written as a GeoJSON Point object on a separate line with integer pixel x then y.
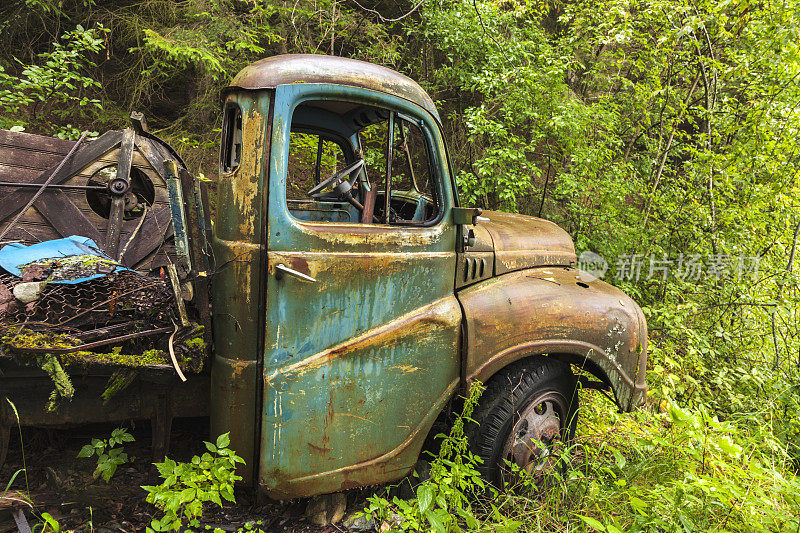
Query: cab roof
{"type": "Point", "coordinates": [312, 68]}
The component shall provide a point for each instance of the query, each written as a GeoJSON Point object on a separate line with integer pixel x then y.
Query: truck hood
{"type": "Point", "coordinates": [520, 241]}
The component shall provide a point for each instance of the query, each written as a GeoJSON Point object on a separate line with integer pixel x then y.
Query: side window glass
{"type": "Point", "coordinates": [312, 158]}
{"type": "Point", "coordinates": [339, 171]}
{"type": "Point", "coordinates": [231, 152]}
{"type": "Point", "coordinates": [413, 194]}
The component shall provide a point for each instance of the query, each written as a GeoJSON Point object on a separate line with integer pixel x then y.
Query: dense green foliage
{"type": "Point", "coordinates": [659, 130]}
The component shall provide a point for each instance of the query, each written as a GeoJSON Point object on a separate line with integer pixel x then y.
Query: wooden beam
{"type": "Point", "coordinates": [118, 200]}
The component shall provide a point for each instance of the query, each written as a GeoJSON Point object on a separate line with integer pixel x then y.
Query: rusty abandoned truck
{"type": "Point", "coordinates": [352, 297]}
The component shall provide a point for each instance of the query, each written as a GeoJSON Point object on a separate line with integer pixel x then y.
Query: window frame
{"type": "Point", "coordinates": [352, 150]}
{"type": "Point", "coordinates": [227, 143]}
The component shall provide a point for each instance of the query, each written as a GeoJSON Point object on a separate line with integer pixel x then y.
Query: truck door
{"type": "Point", "coordinates": [361, 333]}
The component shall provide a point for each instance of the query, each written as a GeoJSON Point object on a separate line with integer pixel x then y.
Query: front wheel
{"type": "Point", "coordinates": [526, 416]}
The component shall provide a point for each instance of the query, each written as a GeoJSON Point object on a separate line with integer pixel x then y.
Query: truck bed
{"type": "Point", "coordinates": [79, 340]}
{"type": "Point", "coordinates": [156, 394]}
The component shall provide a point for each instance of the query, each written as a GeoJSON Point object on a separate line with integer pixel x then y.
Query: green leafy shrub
{"type": "Point", "coordinates": [110, 453]}
{"type": "Point", "coordinates": [56, 89]}
{"type": "Point", "coordinates": [188, 486]}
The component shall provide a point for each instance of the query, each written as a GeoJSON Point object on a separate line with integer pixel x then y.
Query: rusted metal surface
{"type": "Point", "coordinates": [476, 263]}
{"type": "Point", "coordinates": [339, 380]}
{"type": "Point", "coordinates": [343, 354]}
{"type": "Point", "coordinates": [128, 297]}
{"type": "Point", "coordinates": [534, 443]}
{"type": "Point", "coordinates": [506, 242]}
{"type": "Point", "coordinates": [552, 310]}
{"type": "Point", "coordinates": [311, 68]}
{"type": "Point", "coordinates": [521, 241]}
{"type": "Point", "coordinates": [237, 297]}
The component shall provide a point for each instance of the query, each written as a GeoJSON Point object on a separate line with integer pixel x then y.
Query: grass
{"type": "Point", "coordinates": [676, 470]}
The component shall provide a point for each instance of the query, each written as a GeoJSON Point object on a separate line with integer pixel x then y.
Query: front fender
{"type": "Point", "coordinates": [554, 311]}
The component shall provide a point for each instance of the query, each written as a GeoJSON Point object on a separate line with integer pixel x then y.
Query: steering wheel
{"type": "Point", "coordinates": [337, 181]}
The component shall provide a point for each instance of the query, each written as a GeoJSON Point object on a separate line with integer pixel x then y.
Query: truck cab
{"type": "Point", "coordinates": [355, 296]}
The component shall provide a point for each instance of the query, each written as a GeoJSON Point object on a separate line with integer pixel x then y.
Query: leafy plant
{"type": "Point", "coordinates": [188, 486]}
{"type": "Point", "coordinates": [444, 502]}
{"type": "Point", "coordinates": [55, 88]}
{"type": "Point", "coordinates": [49, 524]}
{"type": "Point", "coordinates": [110, 453]}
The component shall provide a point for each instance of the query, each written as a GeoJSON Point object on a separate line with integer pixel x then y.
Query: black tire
{"type": "Point", "coordinates": [538, 398]}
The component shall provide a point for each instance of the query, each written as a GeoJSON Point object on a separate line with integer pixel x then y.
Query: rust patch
{"type": "Point", "coordinates": [312, 68]}
{"type": "Point", "coordinates": [393, 464]}
{"type": "Point", "coordinates": [370, 234]}
{"type": "Point", "coordinates": [436, 314]}
{"type": "Point", "coordinates": [544, 311]}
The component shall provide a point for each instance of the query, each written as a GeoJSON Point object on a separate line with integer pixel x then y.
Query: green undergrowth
{"type": "Point", "coordinates": [453, 498]}
{"type": "Point", "coordinates": [678, 469]}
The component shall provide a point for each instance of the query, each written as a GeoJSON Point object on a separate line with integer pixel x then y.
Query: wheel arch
{"type": "Point", "coordinates": [553, 312]}
{"type": "Point", "coordinates": [559, 351]}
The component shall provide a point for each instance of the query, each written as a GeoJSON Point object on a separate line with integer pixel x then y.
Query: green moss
{"type": "Point", "coordinates": [197, 343]}
{"type": "Point", "coordinates": [22, 338]}
{"type": "Point", "coordinates": [63, 385]}
{"type": "Point", "coordinates": [194, 350]}
{"type": "Point", "coordinates": [116, 357]}
{"type": "Point", "coordinates": [71, 267]}
{"type": "Point", "coordinates": [191, 353]}
{"type": "Point", "coordinates": [118, 382]}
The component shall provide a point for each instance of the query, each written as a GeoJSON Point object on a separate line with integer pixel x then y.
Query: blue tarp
{"type": "Point", "coordinates": [14, 255]}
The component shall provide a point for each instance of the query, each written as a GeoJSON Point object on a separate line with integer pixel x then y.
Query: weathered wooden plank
{"type": "Point", "coordinates": [83, 157]}
{"type": "Point", "coordinates": [34, 229]}
{"type": "Point", "coordinates": [38, 142]}
{"type": "Point", "coordinates": [17, 175]}
{"type": "Point", "coordinates": [157, 227]}
{"type": "Point", "coordinates": [67, 212]}
{"type": "Point", "coordinates": [118, 201]}
{"type": "Point", "coordinates": [156, 153]}
{"type": "Point", "coordinates": [66, 218]}
{"type": "Point", "coordinates": [22, 157]}
{"type": "Point", "coordinates": [158, 258]}
{"type": "Point", "coordinates": [151, 155]}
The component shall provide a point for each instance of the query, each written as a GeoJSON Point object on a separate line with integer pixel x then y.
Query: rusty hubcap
{"type": "Point", "coordinates": [535, 442]}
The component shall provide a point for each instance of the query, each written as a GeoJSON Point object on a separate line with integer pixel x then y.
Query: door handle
{"type": "Point", "coordinates": [281, 269]}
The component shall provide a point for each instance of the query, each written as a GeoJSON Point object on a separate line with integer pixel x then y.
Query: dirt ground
{"type": "Point", "coordinates": [61, 484]}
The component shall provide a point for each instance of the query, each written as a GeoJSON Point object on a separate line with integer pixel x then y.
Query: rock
{"type": "Point", "coordinates": [326, 508]}
{"type": "Point", "coordinates": [358, 522]}
{"type": "Point", "coordinates": [338, 508]}
{"type": "Point", "coordinates": [28, 292]}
